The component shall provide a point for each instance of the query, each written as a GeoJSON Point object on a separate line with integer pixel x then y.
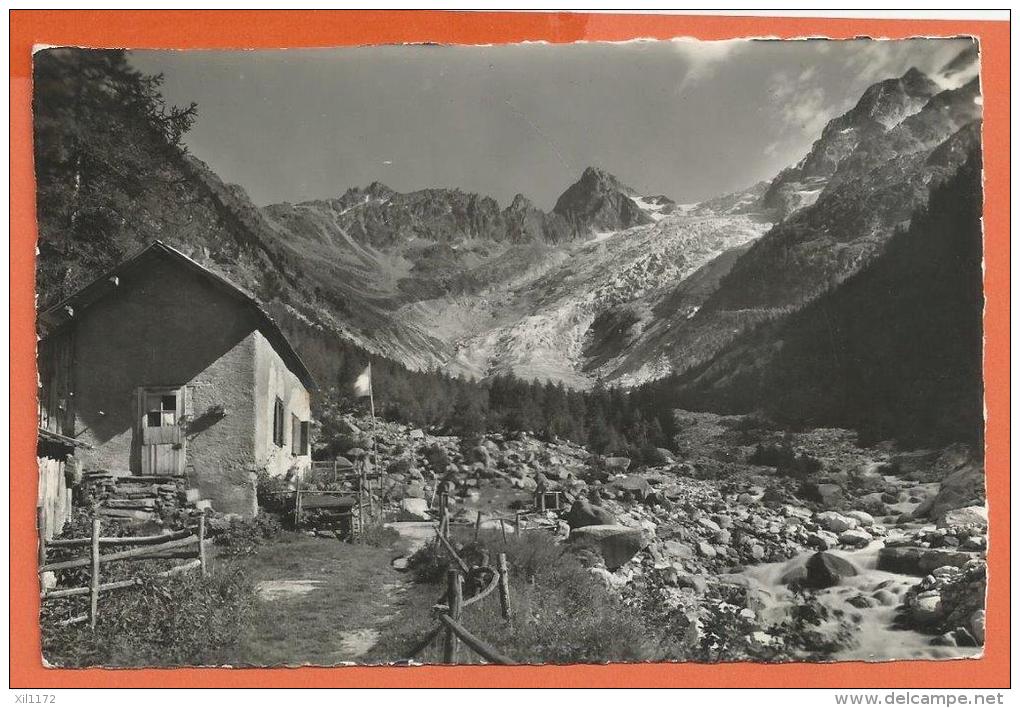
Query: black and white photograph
{"type": "Point", "coordinates": [585, 353]}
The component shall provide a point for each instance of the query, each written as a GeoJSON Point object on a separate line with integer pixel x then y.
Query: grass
{"type": "Point", "coordinates": [329, 590]}
{"type": "Point", "coordinates": [183, 620]}
{"type": "Point", "coordinates": [561, 614]}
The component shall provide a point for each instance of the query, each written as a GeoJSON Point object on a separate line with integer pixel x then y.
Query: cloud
{"type": "Point", "coordinates": [703, 57]}
{"type": "Point", "coordinates": [873, 60]}
{"type": "Point", "coordinates": [802, 106]}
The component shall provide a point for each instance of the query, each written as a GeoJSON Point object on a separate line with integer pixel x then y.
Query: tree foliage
{"type": "Point", "coordinates": [103, 136]}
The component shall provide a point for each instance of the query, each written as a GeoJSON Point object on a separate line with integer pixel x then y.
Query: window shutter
{"type": "Point", "coordinates": [305, 442]}
{"type": "Point", "coordinates": [278, 423]}
{"type": "Point", "coordinates": [295, 435]}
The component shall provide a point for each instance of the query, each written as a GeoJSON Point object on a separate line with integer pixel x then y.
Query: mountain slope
{"type": "Point", "coordinates": [880, 108]}
{"type": "Point", "coordinates": [487, 291]}
{"type": "Point", "coordinates": [873, 191]}
{"type": "Point", "coordinates": [894, 351]}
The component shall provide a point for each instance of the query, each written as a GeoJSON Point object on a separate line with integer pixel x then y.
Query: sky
{"type": "Point", "coordinates": [688, 119]}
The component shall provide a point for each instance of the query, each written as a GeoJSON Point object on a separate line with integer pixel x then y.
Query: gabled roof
{"type": "Point", "coordinates": [64, 312]}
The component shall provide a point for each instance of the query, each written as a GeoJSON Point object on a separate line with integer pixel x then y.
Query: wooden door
{"type": "Point", "coordinates": [162, 442]}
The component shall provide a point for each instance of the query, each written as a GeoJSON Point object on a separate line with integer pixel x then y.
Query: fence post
{"type": "Point", "coordinates": [444, 517]}
{"type": "Point", "coordinates": [520, 523]}
{"type": "Point", "coordinates": [335, 472]}
{"type": "Point", "coordinates": [504, 588]}
{"type": "Point", "coordinates": [94, 578]}
{"type": "Point", "coordinates": [502, 528]}
{"type": "Point", "coordinates": [454, 595]}
{"type": "Point", "coordinates": [478, 524]}
{"type": "Point", "coordinates": [201, 544]}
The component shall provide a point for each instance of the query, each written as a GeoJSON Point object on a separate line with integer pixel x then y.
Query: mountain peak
{"type": "Point", "coordinates": [377, 188]}
{"type": "Point", "coordinates": [913, 74]}
{"type": "Point", "coordinates": [520, 203]}
{"type": "Point", "coordinates": [600, 202]}
{"type": "Point", "coordinates": [598, 177]}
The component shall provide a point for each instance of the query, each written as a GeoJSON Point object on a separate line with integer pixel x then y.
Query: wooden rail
{"type": "Point", "coordinates": [119, 540]}
{"type": "Point", "coordinates": [477, 645]}
{"type": "Point", "coordinates": [452, 605]}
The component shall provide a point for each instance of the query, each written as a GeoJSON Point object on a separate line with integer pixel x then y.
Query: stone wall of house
{"type": "Point", "coordinates": [274, 379]}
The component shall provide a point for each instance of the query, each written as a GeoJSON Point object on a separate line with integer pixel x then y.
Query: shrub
{"type": "Point", "coordinates": [378, 536]}
{"type": "Point", "coordinates": [429, 564]}
{"type": "Point", "coordinates": [268, 491]}
{"type": "Point", "coordinates": [181, 620]}
{"type": "Point", "coordinates": [785, 459]}
{"type": "Point", "coordinates": [438, 459]}
{"type": "Point", "coordinates": [242, 537]}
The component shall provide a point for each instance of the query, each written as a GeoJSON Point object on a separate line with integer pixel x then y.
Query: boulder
{"type": "Point", "coordinates": [855, 538]}
{"type": "Point", "coordinates": [933, 558]}
{"type": "Point", "coordinates": [799, 512]}
{"type": "Point", "coordinates": [826, 569]}
{"type": "Point", "coordinates": [822, 540]}
{"type": "Point", "coordinates": [901, 559]}
{"type": "Point", "coordinates": [675, 549]}
{"type": "Point", "coordinates": [966, 516]}
{"type": "Point", "coordinates": [616, 465]}
{"type": "Point", "coordinates": [528, 484]}
{"type": "Point", "coordinates": [862, 518]}
{"type": "Point", "coordinates": [618, 544]}
{"type": "Point", "coordinates": [835, 522]}
{"type": "Point", "coordinates": [416, 434]}
{"type": "Point", "coordinates": [582, 513]}
{"type": "Point", "coordinates": [706, 549]}
{"type": "Point", "coordinates": [963, 487]}
{"type": "Point", "coordinates": [926, 607]}
{"type": "Point", "coordinates": [824, 493]}
{"type": "Point", "coordinates": [413, 509]}
{"type": "Point", "coordinates": [346, 427]}
{"type": "Point", "coordinates": [636, 485]}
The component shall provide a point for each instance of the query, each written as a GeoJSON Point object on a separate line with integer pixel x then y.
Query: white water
{"type": "Point", "coordinates": [875, 637]}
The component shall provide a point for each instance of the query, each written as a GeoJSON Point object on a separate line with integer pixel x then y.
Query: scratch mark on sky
{"type": "Point", "coordinates": [549, 141]}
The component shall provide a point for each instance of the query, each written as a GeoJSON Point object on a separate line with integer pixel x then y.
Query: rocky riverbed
{"type": "Point", "coordinates": [749, 543]}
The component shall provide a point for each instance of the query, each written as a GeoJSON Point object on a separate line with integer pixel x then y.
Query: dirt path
{"type": "Point", "coordinates": [322, 602]}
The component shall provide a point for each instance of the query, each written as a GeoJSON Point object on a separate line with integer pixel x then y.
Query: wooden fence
{"type": "Point", "coordinates": [452, 604]}
{"type": "Point", "coordinates": [188, 543]}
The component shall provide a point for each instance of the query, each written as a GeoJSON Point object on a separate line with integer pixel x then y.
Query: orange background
{"type": "Point", "coordinates": [226, 29]}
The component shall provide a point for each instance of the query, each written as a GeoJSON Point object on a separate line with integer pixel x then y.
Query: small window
{"type": "Point", "coordinates": [278, 423]}
{"type": "Point", "coordinates": [160, 410]}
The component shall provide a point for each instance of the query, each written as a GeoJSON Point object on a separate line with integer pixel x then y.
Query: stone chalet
{"type": "Point", "coordinates": [162, 367]}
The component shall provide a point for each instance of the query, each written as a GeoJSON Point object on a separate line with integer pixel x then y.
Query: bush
{"type": "Point", "coordinates": [378, 536]}
{"type": "Point", "coordinates": [181, 620]}
{"type": "Point", "coordinates": [268, 491]}
{"type": "Point", "coordinates": [785, 459]}
{"type": "Point", "coordinates": [242, 537]}
{"type": "Point", "coordinates": [429, 564]}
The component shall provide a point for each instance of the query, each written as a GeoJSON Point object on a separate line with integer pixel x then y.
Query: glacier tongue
{"type": "Point", "coordinates": [538, 326]}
